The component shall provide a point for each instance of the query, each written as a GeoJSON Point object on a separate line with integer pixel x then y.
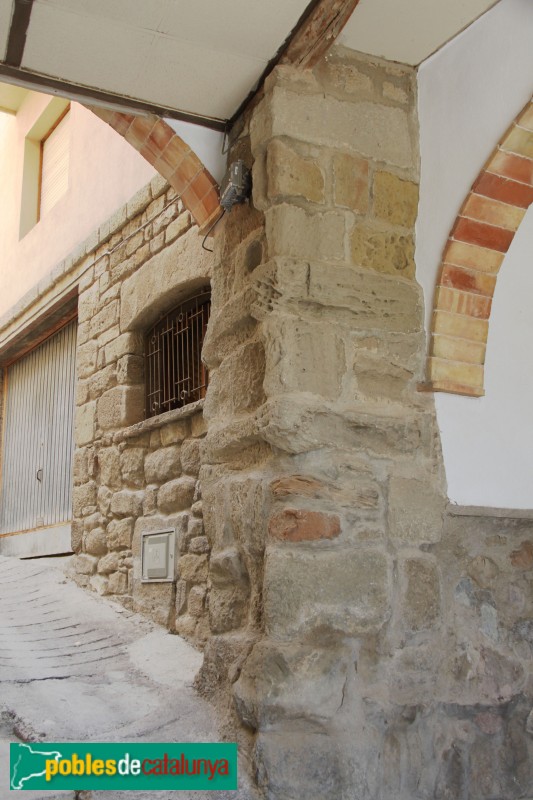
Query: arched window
{"type": "Point", "coordinates": [175, 374]}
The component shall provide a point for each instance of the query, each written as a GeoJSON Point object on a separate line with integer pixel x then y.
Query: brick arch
{"type": "Point", "coordinates": [476, 247]}
{"type": "Point", "coordinates": [155, 140]}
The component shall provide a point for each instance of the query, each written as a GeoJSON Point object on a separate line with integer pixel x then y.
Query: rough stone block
{"type": "Point", "coordinates": [368, 128]}
{"type": "Point", "coordinates": [83, 497]}
{"type": "Point", "coordinates": [162, 465]}
{"type": "Point", "coordinates": [383, 250]}
{"type": "Point", "coordinates": [304, 357]}
{"type": "Point", "coordinates": [199, 544]}
{"type": "Point", "coordinates": [86, 359]}
{"type": "Point", "coordinates": [95, 542]}
{"type": "Point", "coordinates": [84, 564]}
{"type": "Point", "coordinates": [293, 232]}
{"type": "Point", "coordinates": [190, 456]}
{"type": "Point", "coordinates": [104, 496]}
{"type": "Point", "coordinates": [109, 462]}
{"type": "Point", "coordinates": [177, 228]}
{"type": "Point", "coordinates": [351, 184]}
{"type": "Point", "coordinates": [315, 759]}
{"type": "Point", "coordinates": [395, 200]}
{"type": "Point", "coordinates": [416, 511]}
{"type": "Point", "coordinates": [127, 503]}
{"type": "Point", "coordinates": [346, 591]}
{"type": "Point", "coordinates": [85, 424]}
{"type": "Point", "coordinates": [120, 407]}
{"type": "Point", "coordinates": [176, 495]}
{"type": "Point", "coordinates": [291, 175]}
{"type": "Point", "coordinates": [109, 563]}
{"type": "Point", "coordinates": [101, 381]}
{"type": "Point", "coordinates": [125, 344]}
{"type": "Point", "coordinates": [80, 468]}
{"type": "Point", "coordinates": [279, 681]}
{"type": "Point", "coordinates": [196, 601]}
{"type": "Point", "coordinates": [99, 584]}
{"type": "Point", "coordinates": [193, 568]}
{"type": "Point", "coordinates": [132, 466]}
{"type": "Point", "coordinates": [130, 370]}
{"type": "Point", "coordinates": [118, 583]}
{"type": "Point", "coordinates": [294, 525]}
{"type": "Point", "coordinates": [228, 608]}
{"type": "Point", "coordinates": [421, 593]}
{"type": "Point", "coordinates": [105, 318]}
{"type": "Point", "coordinates": [198, 425]}
{"type": "Point", "coordinates": [227, 569]}
{"type": "Point", "coordinates": [174, 432]}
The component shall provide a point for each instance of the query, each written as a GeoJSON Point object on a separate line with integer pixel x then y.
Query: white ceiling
{"type": "Point", "coordinates": [202, 56]}
{"type": "Point", "coordinates": [408, 31]}
{"type": "Point", "coordinates": [205, 56]}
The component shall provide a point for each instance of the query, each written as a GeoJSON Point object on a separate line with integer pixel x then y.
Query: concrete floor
{"type": "Point", "coordinates": [77, 667]}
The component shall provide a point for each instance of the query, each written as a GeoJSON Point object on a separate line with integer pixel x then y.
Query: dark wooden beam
{"type": "Point", "coordinates": [311, 41]}
{"type": "Point", "coordinates": [308, 42]}
{"type": "Point", "coordinates": [18, 30]}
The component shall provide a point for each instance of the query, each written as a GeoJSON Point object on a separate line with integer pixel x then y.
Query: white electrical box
{"type": "Point", "coordinates": [157, 556]}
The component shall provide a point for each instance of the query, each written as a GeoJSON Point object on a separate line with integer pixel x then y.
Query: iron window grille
{"type": "Point", "coordinates": [175, 374]}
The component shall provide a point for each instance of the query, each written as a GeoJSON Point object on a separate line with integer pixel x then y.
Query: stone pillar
{"type": "Point", "coordinates": [322, 465]}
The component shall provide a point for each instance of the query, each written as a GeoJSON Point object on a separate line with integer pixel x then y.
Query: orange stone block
{"type": "Point", "coordinates": [293, 525]}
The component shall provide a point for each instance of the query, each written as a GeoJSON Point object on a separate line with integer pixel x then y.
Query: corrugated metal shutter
{"type": "Point", "coordinates": [55, 165]}
{"type": "Point", "coordinates": [38, 436]}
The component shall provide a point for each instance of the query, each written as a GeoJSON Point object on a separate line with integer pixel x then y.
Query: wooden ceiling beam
{"type": "Point", "coordinates": [316, 34]}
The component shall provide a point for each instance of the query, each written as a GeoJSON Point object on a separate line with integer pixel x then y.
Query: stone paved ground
{"type": "Point", "coordinates": [76, 667]}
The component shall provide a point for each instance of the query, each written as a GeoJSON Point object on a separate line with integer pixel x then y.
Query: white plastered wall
{"type": "Point", "coordinates": [105, 171]}
{"type": "Point", "coordinates": [469, 93]}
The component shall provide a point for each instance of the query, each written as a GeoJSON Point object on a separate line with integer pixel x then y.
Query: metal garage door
{"type": "Point", "coordinates": [38, 446]}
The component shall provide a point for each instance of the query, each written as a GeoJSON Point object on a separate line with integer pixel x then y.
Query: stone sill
{"type": "Point", "coordinates": [487, 511]}
{"type": "Point", "coordinates": [154, 423]}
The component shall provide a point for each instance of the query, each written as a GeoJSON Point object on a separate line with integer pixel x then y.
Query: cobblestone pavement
{"type": "Point", "coordinates": [76, 667]}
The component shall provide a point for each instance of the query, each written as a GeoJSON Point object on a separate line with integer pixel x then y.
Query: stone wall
{"type": "Point", "coordinates": [363, 642]}
{"type": "Point", "coordinates": [347, 629]}
{"type": "Point", "coordinates": [132, 476]}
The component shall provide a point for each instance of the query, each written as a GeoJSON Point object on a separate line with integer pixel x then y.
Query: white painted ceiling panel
{"type": "Point", "coordinates": [410, 31]}
{"type": "Point", "coordinates": [88, 50]}
{"type": "Point", "coordinates": [215, 84]}
{"type": "Point", "coordinates": [202, 57]}
{"type": "Point", "coordinates": [6, 7]}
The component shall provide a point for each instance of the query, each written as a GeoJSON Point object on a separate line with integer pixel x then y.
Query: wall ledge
{"type": "Point", "coordinates": [487, 511]}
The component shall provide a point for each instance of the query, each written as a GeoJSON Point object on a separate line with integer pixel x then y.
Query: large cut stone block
{"type": "Point", "coordinates": [120, 407]}
{"type": "Point", "coordinates": [85, 423]}
{"type": "Point", "coordinates": [416, 511]}
{"type": "Point", "coordinates": [304, 357]}
{"type": "Point", "coordinates": [369, 129]}
{"type": "Point", "coordinates": [346, 591]}
{"type": "Point", "coordinates": [291, 175]}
